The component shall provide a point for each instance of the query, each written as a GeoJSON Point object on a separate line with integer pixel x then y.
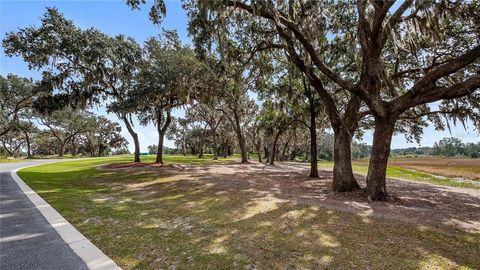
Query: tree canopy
{"type": "Point", "coordinates": [262, 76]}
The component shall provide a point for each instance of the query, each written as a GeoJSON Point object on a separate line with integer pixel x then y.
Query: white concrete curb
{"type": "Point", "coordinates": [93, 257]}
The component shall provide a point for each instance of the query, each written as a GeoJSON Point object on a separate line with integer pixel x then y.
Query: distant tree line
{"type": "Point", "coordinates": [289, 149]}
{"type": "Point", "coordinates": [447, 147]}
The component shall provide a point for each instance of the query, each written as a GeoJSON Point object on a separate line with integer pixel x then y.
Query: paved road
{"type": "Point", "coordinates": [27, 241]}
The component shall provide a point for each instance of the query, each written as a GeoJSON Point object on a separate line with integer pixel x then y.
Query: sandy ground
{"type": "Point", "coordinates": [415, 202]}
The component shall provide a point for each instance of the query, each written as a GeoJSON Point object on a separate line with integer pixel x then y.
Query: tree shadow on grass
{"type": "Point", "coordinates": [259, 218]}
{"type": "Point", "coordinates": [416, 202]}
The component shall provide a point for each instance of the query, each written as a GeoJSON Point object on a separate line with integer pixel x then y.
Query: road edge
{"type": "Point", "coordinates": [93, 257]}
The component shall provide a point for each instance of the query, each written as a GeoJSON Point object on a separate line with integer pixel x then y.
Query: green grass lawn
{"type": "Point", "coordinates": [144, 220]}
{"type": "Point", "coordinates": [410, 175]}
{"type": "Point", "coordinates": [169, 159]}
{"type": "Point", "coordinates": [24, 159]}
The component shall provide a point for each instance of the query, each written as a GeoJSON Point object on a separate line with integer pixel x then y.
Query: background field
{"type": "Point", "coordinates": [467, 168]}
{"type": "Point", "coordinates": [440, 171]}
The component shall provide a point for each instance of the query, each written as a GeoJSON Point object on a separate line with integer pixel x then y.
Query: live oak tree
{"type": "Point", "coordinates": [65, 125]}
{"type": "Point", "coordinates": [301, 100]}
{"type": "Point", "coordinates": [167, 79]}
{"type": "Point", "coordinates": [61, 51]}
{"type": "Point", "coordinates": [79, 67]}
{"type": "Point", "coordinates": [227, 88]}
{"type": "Point", "coordinates": [206, 111]}
{"type": "Point", "coordinates": [29, 131]}
{"type": "Point", "coordinates": [256, 135]}
{"type": "Point", "coordinates": [231, 63]}
{"type": "Point", "coordinates": [200, 128]}
{"type": "Point", "coordinates": [238, 109]}
{"type": "Point", "coordinates": [308, 113]}
{"type": "Point", "coordinates": [235, 80]}
{"type": "Point", "coordinates": [224, 20]}
{"type": "Point", "coordinates": [16, 98]}
{"type": "Point", "coordinates": [178, 132]}
{"type": "Point", "coordinates": [12, 142]}
{"type": "Point", "coordinates": [223, 40]}
{"type": "Point", "coordinates": [189, 134]}
{"type": "Point", "coordinates": [123, 60]}
{"type": "Point", "coordinates": [437, 59]}
{"type": "Point", "coordinates": [312, 126]}
{"type": "Point", "coordinates": [152, 149]}
{"type": "Point", "coordinates": [227, 138]}
{"type": "Point", "coordinates": [67, 130]}
{"type": "Point", "coordinates": [197, 136]}
{"type": "Point", "coordinates": [101, 137]}
{"type": "Point", "coordinates": [44, 144]}
{"type": "Point", "coordinates": [404, 55]}
{"type": "Point", "coordinates": [16, 95]}
{"type": "Point", "coordinates": [293, 146]}
{"type": "Point", "coordinates": [275, 118]}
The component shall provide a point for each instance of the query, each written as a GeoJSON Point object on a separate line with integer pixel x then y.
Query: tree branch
{"type": "Point", "coordinates": [433, 94]}
{"type": "Point", "coordinates": [281, 21]}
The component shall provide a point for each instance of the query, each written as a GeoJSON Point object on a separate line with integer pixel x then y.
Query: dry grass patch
{"type": "Point", "coordinates": [450, 167]}
{"type": "Point", "coordinates": [467, 168]}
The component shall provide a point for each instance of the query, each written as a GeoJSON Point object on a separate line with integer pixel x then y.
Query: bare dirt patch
{"type": "Point", "coordinates": [419, 203]}
{"type": "Point", "coordinates": [129, 165]}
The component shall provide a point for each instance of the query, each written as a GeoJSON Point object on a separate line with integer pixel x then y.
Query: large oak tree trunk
{"type": "Point", "coordinates": [101, 150]}
{"type": "Point", "coordinates": [134, 137]}
{"type": "Point", "coordinates": [241, 141]}
{"type": "Point", "coordinates": [29, 151]}
{"type": "Point", "coordinates": [313, 149]}
{"type": "Point", "coordinates": [214, 144]}
{"type": "Point", "coordinates": [285, 150]}
{"type": "Point", "coordinates": [273, 147]}
{"type": "Point", "coordinates": [74, 147]}
{"type": "Point", "coordinates": [162, 130]}
{"type": "Point", "coordinates": [240, 137]}
{"type": "Point", "coordinates": [159, 158]}
{"type": "Point", "coordinates": [258, 148]}
{"type": "Point", "coordinates": [225, 150]}
{"type": "Point", "coordinates": [9, 153]}
{"type": "Point", "coordinates": [62, 149]}
{"type": "Point", "coordinates": [313, 136]}
{"type": "Point", "coordinates": [377, 169]}
{"type": "Point", "coordinates": [201, 145]}
{"type": "Point", "coordinates": [243, 148]}
{"type": "Point", "coordinates": [184, 145]}
{"type": "Point", "coordinates": [16, 153]}
{"type": "Point", "coordinates": [343, 179]}
{"type": "Point", "coordinates": [343, 127]}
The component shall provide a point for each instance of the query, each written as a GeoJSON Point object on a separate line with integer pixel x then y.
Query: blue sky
{"type": "Point", "coordinates": [115, 17]}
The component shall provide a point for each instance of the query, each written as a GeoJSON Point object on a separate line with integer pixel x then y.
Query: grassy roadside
{"type": "Point", "coordinates": [169, 159]}
{"type": "Point", "coordinates": [5, 160]}
{"type": "Point", "coordinates": [37, 157]}
{"type": "Point", "coordinates": [409, 175]}
{"type": "Point", "coordinates": [144, 220]}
